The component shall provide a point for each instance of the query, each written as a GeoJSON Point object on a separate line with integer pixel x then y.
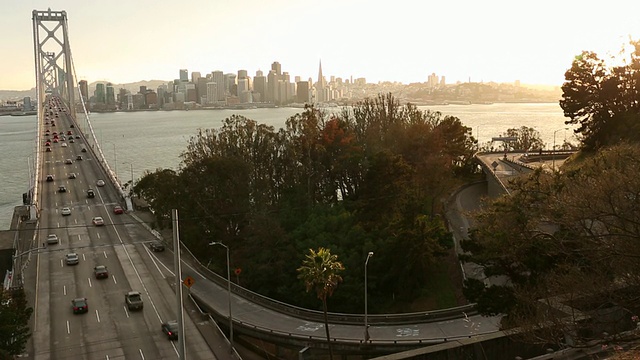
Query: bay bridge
{"type": "Point", "coordinates": [109, 330]}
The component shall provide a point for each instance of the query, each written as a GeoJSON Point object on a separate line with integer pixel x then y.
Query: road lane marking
{"type": "Point", "coordinates": [141, 354]}
{"type": "Point", "coordinates": [64, 290]}
{"type": "Point", "coordinates": [153, 260]}
{"type": "Point", "coordinates": [98, 235]}
{"type": "Point", "coordinates": [97, 315]}
{"type": "Point", "coordinates": [105, 254]}
{"type": "Point", "coordinates": [89, 282]}
{"type": "Point", "coordinates": [79, 237]}
{"type": "Point", "coordinates": [125, 311]}
{"type": "Point", "coordinates": [68, 329]}
{"type": "Point", "coordinates": [83, 258]}
{"type": "Point", "coordinates": [61, 263]}
{"type": "Point", "coordinates": [114, 279]}
{"type": "Point", "coordinates": [76, 221]}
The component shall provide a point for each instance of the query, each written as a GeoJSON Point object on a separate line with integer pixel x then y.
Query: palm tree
{"type": "Point", "coordinates": [319, 271]}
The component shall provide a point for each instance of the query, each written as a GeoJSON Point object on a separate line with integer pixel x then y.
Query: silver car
{"type": "Point", "coordinates": [52, 239]}
{"type": "Point", "coordinates": [72, 259]}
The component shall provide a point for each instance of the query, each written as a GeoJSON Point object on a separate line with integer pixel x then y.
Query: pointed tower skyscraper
{"type": "Point", "coordinates": [320, 85]}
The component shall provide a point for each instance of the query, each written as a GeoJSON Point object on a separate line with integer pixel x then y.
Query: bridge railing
{"type": "Point", "coordinates": [96, 149]}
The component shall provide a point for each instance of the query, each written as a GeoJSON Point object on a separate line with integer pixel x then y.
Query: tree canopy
{"type": "Point", "coordinates": [14, 322]}
{"type": "Point", "coordinates": [369, 178]}
{"type": "Point", "coordinates": [604, 100]}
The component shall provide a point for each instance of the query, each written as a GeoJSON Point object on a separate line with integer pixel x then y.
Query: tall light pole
{"type": "Point", "coordinates": [366, 308]}
{"type": "Point", "coordinates": [229, 294]}
{"type": "Point", "coordinates": [131, 173]}
{"type": "Point", "coordinates": [554, 147]}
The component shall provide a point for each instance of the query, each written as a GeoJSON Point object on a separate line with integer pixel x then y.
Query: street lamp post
{"type": "Point", "coordinates": [229, 294]}
{"type": "Point", "coordinates": [366, 309]}
{"type": "Point", "coordinates": [125, 163]}
{"type": "Point", "coordinates": [554, 148]}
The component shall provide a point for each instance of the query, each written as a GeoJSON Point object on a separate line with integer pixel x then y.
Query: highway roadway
{"type": "Point", "coordinates": [108, 330]}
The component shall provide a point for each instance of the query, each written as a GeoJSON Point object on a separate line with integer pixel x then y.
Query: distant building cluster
{"type": "Point", "coordinates": [219, 89]}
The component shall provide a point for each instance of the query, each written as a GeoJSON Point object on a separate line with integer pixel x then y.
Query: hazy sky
{"type": "Point", "coordinates": [400, 40]}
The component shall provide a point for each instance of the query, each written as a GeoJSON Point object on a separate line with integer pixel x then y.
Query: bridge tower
{"type": "Point", "coordinates": [53, 63]}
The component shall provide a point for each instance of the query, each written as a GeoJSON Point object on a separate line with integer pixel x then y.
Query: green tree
{"type": "Point", "coordinates": [14, 320]}
{"type": "Point", "coordinates": [320, 271]}
{"type": "Point", "coordinates": [566, 249]}
{"type": "Point", "coordinates": [527, 139]}
{"type": "Point", "coordinates": [603, 99]}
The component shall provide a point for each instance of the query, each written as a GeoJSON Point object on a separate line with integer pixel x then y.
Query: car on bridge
{"type": "Point", "coordinates": [52, 239]}
{"type": "Point", "coordinates": [170, 328]}
{"type": "Point", "coordinates": [72, 259]}
{"type": "Point", "coordinates": [100, 182]}
{"type": "Point", "coordinates": [62, 189]}
{"type": "Point", "coordinates": [66, 211]}
{"type": "Point", "coordinates": [84, 150]}
{"type": "Point", "coordinates": [72, 175]}
{"type": "Point", "coordinates": [133, 299]}
{"type": "Point", "coordinates": [118, 210]}
{"type": "Point", "coordinates": [79, 157]}
{"type": "Point", "coordinates": [64, 145]}
{"type": "Point", "coordinates": [90, 193]}
{"type": "Point", "coordinates": [68, 161]}
{"type": "Point", "coordinates": [48, 149]}
{"type": "Point", "coordinates": [80, 305]}
{"type": "Point", "coordinates": [156, 246]}
{"type": "Point", "coordinates": [49, 178]}
{"type": "Point", "coordinates": [98, 221]}
{"type": "Point", "coordinates": [101, 272]}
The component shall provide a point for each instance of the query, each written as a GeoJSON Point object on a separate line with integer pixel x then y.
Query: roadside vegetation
{"type": "Point", "coordinates": [372, 178]}
{"type": "Point", "coordinates": [563, 250]}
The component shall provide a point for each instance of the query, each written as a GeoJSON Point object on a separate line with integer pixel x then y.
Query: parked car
{"type": "Point", "coordinates": [80, 305]}
{"type": "Point", "coordinates": [170, 328]}
{"type": "Point", "coordinates": [72, 259]}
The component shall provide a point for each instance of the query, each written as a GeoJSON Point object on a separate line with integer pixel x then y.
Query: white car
{"type": "Point", "coordinates": [100, 182]}
{"type": "Point", "coordinates": [66, 211]}
{"type": "Point", "coordinates": [64, 145]}
{"type": "Point", "coordinates": [98, 221]}
{"type": "Point", "coordinates": [52, 239]}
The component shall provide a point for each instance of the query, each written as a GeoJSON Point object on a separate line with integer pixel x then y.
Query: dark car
{"type": "Point", "coordinates": [80, 305]}
{"type": "Point", "coordinates": [62, 189]}
{"type": "Point", "coordinates": [170, 328]}
{"type": "Point", "coordinates": [101, 272]}
{"type": "Point", "coordinates": [90, 193]}
{"type": "Point", "coordinates": [72, 126]}
{"type": "Point", "coordinates": [156, 245]}
{"type": "Point", "coordinates": [83, 150]}
{"type": "Point", "coordinates": [79, 157]}
{"type": "Point", "coordinates": [48, 149]}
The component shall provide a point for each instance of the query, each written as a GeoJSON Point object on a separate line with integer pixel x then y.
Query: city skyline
{"type": "Point", "coordinates": [495, 41]}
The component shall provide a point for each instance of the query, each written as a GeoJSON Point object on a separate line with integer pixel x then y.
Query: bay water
{"type": "Point", "coordinates": [135, 142]}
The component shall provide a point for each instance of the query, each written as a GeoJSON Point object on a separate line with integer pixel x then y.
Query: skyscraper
{"type": "Point", "coordinates": [260, 85]}
{"type": "Point", "coordinates": [184, 75]}
{"type": "Point", "coordinates": [275, 66]}
{"type": "Point", "coordinates": [320, 85]}
{"type": "Point", "coordinates": [218, 78]}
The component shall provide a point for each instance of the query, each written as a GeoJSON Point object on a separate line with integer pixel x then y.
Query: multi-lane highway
{"type": "Point", "coordinates": [108, 330]}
